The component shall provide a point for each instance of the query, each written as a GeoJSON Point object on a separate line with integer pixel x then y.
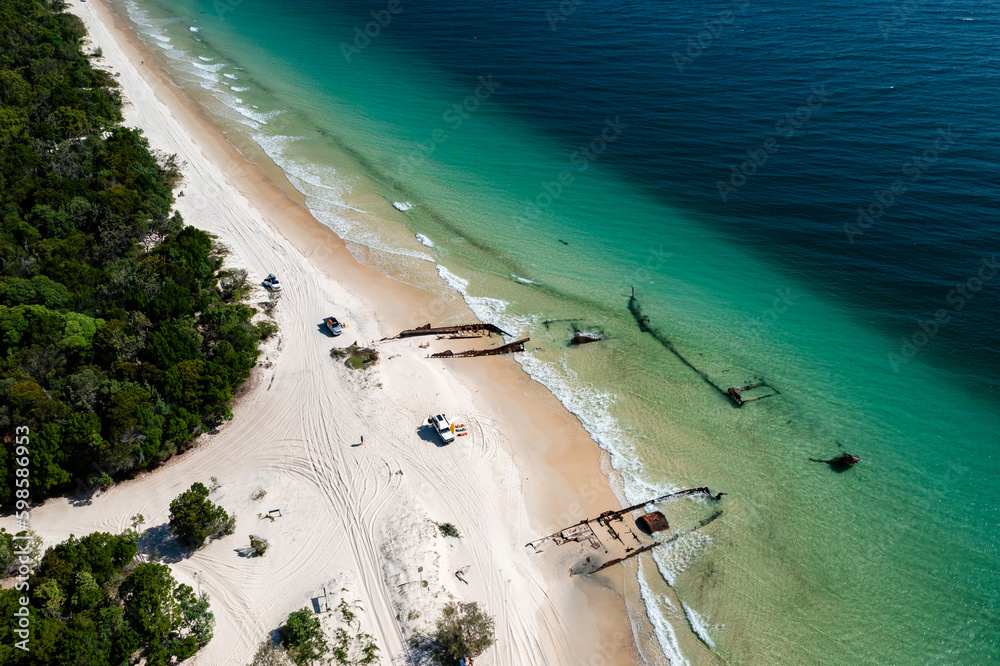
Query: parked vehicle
{"type": "Point", "coordinates": [333, 325]}
{"type": "Point", "coordinates": [271, 282]}
{"type": "Point", "coordinates": [443, 428]}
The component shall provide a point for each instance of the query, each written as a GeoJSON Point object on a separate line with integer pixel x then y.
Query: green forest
{"type": "Point", "coordinates": [92, 602]}
{"type": "Point", "coordinates": [121, 338]}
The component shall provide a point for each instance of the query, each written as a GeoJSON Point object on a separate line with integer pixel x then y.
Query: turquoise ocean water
{"type": "Point", "coordinates": [543, 160]}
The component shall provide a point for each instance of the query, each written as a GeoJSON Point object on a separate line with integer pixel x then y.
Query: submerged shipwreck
{"type": "Point", "coordinates": [577, 335]}
{"type": "Point", "coordinates": [758, 387]}
{"type": "Point", "coordinates": [621, 542]}
{"type": "Point", "coordinates": [841, 462]}
{"type": "Point", "coordinates": [584, 337]}
{"type": "Point", "coordinates": [740, 397]}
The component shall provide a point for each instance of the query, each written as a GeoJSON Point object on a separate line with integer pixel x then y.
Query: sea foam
{"type": "Point", "coordinates": [698, 625]}
{"type": "Point", "coordinates": [658, 610]}
{"type": "Point", "coordinates": [205, 69]}
{"type": "Point", "coordinates": [486, 309]}
{"type": "Point", "coordinates": [324, 191]}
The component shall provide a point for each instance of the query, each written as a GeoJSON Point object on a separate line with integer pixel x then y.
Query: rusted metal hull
{"type": "Point", "coordinates": [680, 493]}
{"type": "Point", "coordinates": [615, 561]}
{"type": "Point", "coordinates": [653, 522]}
{"type": "Point", "coordinates": [462, 329]}
{"type": "Point", "coordinates": [509, 348]}
{"type": "Point", "coordinates": [580, 338]}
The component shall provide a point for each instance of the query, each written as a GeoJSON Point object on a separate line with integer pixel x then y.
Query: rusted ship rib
{"type": "Point", "coordinates": [611, 515]}
{"type": "Point", "coordinates": [581, 532]}
{"type": "Point", "coordinates": [615, 561]}
{"type": "Point", "coordinates": [509, 348]}
{"type": "Point", "coordinates": [463, 330]}
{"type": "Point", "coordinates": [736, 393]}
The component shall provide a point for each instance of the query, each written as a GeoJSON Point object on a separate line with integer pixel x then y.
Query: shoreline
{"type": "Point", "coordinates": [574, 619]}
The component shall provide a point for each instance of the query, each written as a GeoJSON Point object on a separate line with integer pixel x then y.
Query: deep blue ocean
{"type": "Point", "coordinates": [700, 85]}
{"type": "Point", "coordinates": [804, 193]}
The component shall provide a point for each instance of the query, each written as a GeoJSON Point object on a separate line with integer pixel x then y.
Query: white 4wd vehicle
{"type": "Point", "coordinates": [443, 427]}
{"type": "Point", "coordinates": [271, 282]}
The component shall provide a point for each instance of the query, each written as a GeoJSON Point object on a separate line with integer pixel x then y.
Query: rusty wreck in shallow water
{"type": "Point", "coordinates": [841, 462]}
{"type": "Point", "coordinates": [582, 338]}
{"type": "Point", "coordinates": [584, 532]}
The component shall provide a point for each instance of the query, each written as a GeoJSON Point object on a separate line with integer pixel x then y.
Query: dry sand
{"type": "Point", "coordinates": [358, 517]}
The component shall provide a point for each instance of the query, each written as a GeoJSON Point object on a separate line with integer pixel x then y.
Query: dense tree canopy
{"type": "Point", "coordinates": [91, 603]}
{"type": "Point", "coordinates": [194, 518]}
{"type": "Point", "coordinates": [463, 631]}
{"type": "Point", "coordinates": [117, 345]}
{"type": "Point", "coordinates": [303, 638]}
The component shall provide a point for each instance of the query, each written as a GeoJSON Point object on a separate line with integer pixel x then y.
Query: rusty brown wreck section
{"type": "Point", "coordinates": [459, 330]}
{"type": "Point", "coordinates": [735, 393]}
{"type": "Point", "coordinates": [612, 525]}
{"type": "Point", "coordinates": [509, 348]}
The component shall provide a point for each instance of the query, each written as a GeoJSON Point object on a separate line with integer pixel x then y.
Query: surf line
{"type": "Point", "coordinates": [643, 321]}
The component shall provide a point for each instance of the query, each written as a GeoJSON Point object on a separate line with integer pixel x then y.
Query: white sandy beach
{"type": "Point", "coordinates": [359, 517]}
